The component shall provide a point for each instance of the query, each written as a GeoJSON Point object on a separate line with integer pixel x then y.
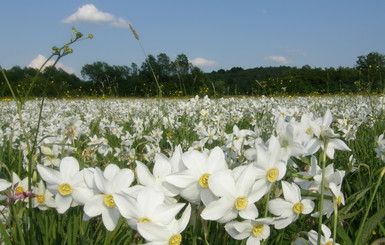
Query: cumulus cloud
{"type": "Point", "coordinates": [89, 13]}
{"type": "Point", "coordinates": [40, 59]}
{"type": "Point", "coordinates": [203, 62]}
{"type": "Point", "coordinates": [278, 59]}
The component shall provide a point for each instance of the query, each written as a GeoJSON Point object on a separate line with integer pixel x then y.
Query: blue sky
{"type": "Point", "coordinates": [214, 34]}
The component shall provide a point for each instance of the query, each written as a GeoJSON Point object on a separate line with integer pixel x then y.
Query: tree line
{"type": "Point", "coordinates": [180, 78]}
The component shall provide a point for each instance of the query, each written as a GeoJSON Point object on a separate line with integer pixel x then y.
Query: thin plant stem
{"type": "Point", "coordinates": [335, 219]}
{"type": "Point", "coordinates": [321, 200]}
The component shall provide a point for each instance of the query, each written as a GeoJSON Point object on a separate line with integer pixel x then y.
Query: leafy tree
{"type": "Point", "coordinates": [372, 67]}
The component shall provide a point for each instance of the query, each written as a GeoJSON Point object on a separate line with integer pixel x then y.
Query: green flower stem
{"type": "Point", "coordinates": [321, 200]}
{"type": "Point", "coordinates": [335, 219]}
{"type": "Point", "coordinates": [359, 233]}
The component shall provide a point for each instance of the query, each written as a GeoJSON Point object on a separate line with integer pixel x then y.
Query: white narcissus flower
{"type": "Point", "coordinates": [270, 166]}
{"type": "Point", "coordinates": [322, 130]}
{"type": "Point", "coordinates": [255, 231]}
{"type": "Point", "coordinates": [291, 207]}
{"type": "Point", "coordinates": [193, 181]}
{"type": "Point", "coordinates": [148, 206]}
{"type": "Point", "coordinates": [236, 195]}
{"type": "Point", "coordinates": [162, 168]}
{"type": "Point", "coordinates": [156, 234]}
{"type": "Point", "coordinates": [67, 185]}
{"type": "Point", "coordinates": [326, 239]}
{"type": "Point", "coordinates": [109, 184]}
{"type": "Point", "coordinates": [44, 198]}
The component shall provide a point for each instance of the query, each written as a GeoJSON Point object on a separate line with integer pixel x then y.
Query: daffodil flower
{"type": "Point", "coordinates": [236, 195]}
{"type": "Point", "coordinates": [109, 183]}
{"type": "Point", "coordinates": [171, 234]}
{"type": "Point", "coordinates": [67, 184]}
{"type": "Point", "coordinates": [291, 207]}
{"type": "Point", "coordinates": [193, 181]}
{"type": "Point", "coordinates": [325, 134]}
{"type": "Point", "coordinates": [325, 239]}
{"type": "Point", "coordinates": [44, 198]}
{"type": "Point", "coordinates": [270, 167]}
{"type": "Point", "coordinates": [255, 231]}
{"type": "Point", "coordinates": [148, 206]}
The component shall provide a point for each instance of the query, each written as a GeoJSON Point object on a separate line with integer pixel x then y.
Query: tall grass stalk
{"type": "Point", "coordinates": [147, 60]}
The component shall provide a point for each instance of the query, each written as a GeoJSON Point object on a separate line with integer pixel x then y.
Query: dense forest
{"type": "Point", "coordinates": [161, 76]}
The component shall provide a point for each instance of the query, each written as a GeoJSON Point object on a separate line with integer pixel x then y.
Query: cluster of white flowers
{"type": "Point", "coordinates": [225, 174]}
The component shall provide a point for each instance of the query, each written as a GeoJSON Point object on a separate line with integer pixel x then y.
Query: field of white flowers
{"type": "Point", "coordinates": [193, 171]}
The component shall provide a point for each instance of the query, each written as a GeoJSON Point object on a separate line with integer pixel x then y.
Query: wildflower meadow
{"type": "Point", "coordinates": [199, 170]}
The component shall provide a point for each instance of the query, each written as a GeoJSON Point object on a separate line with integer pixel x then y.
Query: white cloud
{"type": "Point", "coordinates": [40, 59]}
{"type": "Point", "coordinates": [120, 22]}
{"type": "Point", "coordinates": [278, 59]}
{"type": "Point", "coordinates": [203, 62]}
{"type": "Point", "coordinates": [89, 13]}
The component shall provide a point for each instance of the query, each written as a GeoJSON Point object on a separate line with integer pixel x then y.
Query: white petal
{"type": "Point", "coordinates": [148, 199]}
{"type": "Point", "coordinates": [308, 206]}
{"type": "Point", "coordinates": [49, 175]}
{"type": "Point", "coordinates": [182, 179]}
{"type": "Point", "coordinates": [4, 184]}
{"type": "Point", "coordinates": [216, 160]}
{"type": "Point", "coordinates": [69, 166]}
{"type": "Point", "coordinates": [250, 212]}
{"type": "Point", "coordinates": [195, 161]}
{"type": "Point", "coordinates": [153, 232]}
{"type": "Point", "coordinates": [167, 212]}
{"type": "Point", "coordinates": [217, 209]}
{"type": "Point", "coordinates": [280, 207]}
{"type": "Point", "coordinates": [144, 175]}
{"type": "Point", "coordinates": [110, 171]}
{"type": "Point", "coordinates": [184, 220]}
{"type": "Point", "coordinates": [162, 167]}
{"type": "Point", "coordinates": [94, 206]}
{"type": "Point", "coordinates": [222, 184]}
{"type": "Point", "coordinates": [110, 217]}
{"type": "Point", "coordinates": [122, 180]}
{"type": "Point", "coordinates": [291, 192]}
{"type": "Point", "coordinates": [63, 203]}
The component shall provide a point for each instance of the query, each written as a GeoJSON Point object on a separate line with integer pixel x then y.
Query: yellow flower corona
{"type": "Point", "coordinates": [298, 208]}
{"type": "Point", "coordinates": [204, 181]}
{"type": "Point", "coordinates": [19, 190]}
{"type": "Point", "coordinates": [65, 189]}
{"type": "Point", "coordinates": [339, 200]}
{"type": "Point", "coordinates": [145, 219]}
{"type": "Point", "coordinates": [272, 175]}
{"type": "Point", "coordinates": [240, 203]}
{"type": "Point", "coordinates": [109, 201]}
{"type": "Point", "coordinates": [175, 239]}
{"type": "Point", "coordinates": [40, 198]}
{"type": "Point", "coordinates": [257, 230]}
{"type": "Point", "coordinates": [329, 243]}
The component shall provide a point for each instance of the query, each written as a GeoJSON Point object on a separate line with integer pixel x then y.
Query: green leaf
{"type": "Point", "coordinates": [371, 224]}
{"type": "Point", "coordinates": [343, 235]}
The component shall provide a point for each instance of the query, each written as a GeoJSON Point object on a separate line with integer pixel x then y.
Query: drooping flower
{"type": "Point", "coordinates": [67, 184]}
